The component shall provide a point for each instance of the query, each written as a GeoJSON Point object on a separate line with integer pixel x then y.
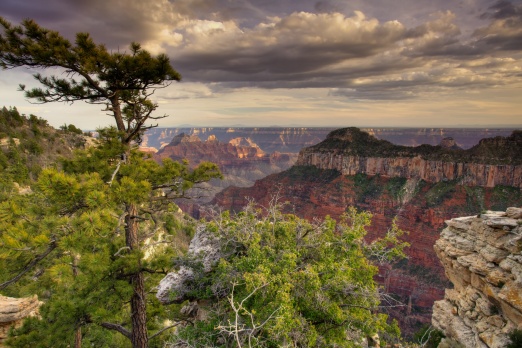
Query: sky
{"type": "Point", "coordinates": [331, 63]}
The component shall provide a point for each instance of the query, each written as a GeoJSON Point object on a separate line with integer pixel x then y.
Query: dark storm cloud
{"type": "Point", "coordinates": [419, 45]}
{"type": "Point", "coordinates": [293, 48]}
{"type": "Point", "coordinates": [503, 9]}
{"type": "Point", "coordinates": [504, 33]}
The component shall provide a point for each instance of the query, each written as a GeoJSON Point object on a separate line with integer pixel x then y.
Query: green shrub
{"type": "Point", "coordinates": [428, 337]}
{"type": "Point", "coordinates": [516, 339]}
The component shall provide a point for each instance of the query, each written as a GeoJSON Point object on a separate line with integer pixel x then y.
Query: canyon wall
{"type": "Point", "coordinates": [293, 139]}
{"type": "Point", "coordinates": [482, 256]}
{"type": "Point", "coordinates": [470, 174]}
{"type": "Point", "coordinates": [13, 311]}
{"type": "Point", "coordinates": [494, 161]}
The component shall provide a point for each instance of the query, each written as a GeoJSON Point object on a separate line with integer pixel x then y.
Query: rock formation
{"type": "Point", "coordinates": [482, 256]}
{"type": "Point", "coordinates": [204, 251]}
{"type": "Point", "coordinates": [494, 161]}
{"type": "Point", "coordinates": [240, 160]}
{"type": "Point", "coordinates": [13, 311]}
{"type": "Point", "coordinates": [293, 139]}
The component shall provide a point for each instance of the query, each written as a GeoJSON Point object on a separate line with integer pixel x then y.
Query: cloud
{"type": "Point", "coordinates": [357, 49]}
{"type": "Point", "coordinates": [281, 47]}
{"type": "Point", "coordinates": [505, 31]}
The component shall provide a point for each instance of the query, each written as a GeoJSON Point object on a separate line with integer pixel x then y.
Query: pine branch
{"type": "Point", "coordinates": [30, 265]}
{"type": "Point", "coordinates": [116, 327]}
{"type": "Point", "coordinates": [162, 330]}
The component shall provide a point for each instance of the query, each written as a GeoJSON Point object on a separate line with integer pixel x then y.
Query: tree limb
{"type": "Point", "coordinates": [162, 330]}
{"type": "Point", "coordinates": [116, 327]}
{"type": "Point", "coordinates": [30, 265]}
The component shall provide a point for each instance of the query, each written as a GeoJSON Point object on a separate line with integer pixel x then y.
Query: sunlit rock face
{"type": "Point", "coordinates": [240, 160]}
{"type": "Point", "coordinates": [494, 161]}
{"type": "Point", "coordinates": [482, 257]}
{"type": "Point", "coordinates": [13, 311]}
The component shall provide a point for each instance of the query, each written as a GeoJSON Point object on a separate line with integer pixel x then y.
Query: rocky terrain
{"type": "Point", "coordinates": [240, 160]}
{"type": "Point", "coordinates": [420, 206]}
{"type": "Point", "coordinates": [481, 256]}
{"type": "Point", "coordinates": [13, 311]}
{"type": "Point", "coordinates": [494, 161]}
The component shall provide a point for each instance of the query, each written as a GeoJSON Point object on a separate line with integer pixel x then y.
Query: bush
{"type": "Point", "coordinates": [428, 337]}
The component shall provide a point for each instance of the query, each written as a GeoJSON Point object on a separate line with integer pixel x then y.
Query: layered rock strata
{"type": "Point", "coordinates": [494, 161]}
{"type": "Point", "coordinates": [482, 257]}
{"type": "Point", "coordinates": [13, 311]}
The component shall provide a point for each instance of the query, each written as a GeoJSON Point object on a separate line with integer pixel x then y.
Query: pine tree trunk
{"type": "Point", "coordinates": [139, 336]}
{"type": "Point", "coordinates": [78, 332]}
{"type": "Point", "coordinates": [78, 338]}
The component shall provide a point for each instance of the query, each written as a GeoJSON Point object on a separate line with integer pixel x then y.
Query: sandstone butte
{"type": "Point", "coordinates": [13, 311]}
{"type": "Point", "coordinates": [316, 186]}
{"type": "Point", "coordinates": [482, 256]}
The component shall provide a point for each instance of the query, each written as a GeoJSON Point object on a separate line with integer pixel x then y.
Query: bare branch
{"type": "Point", "coordinates": [163, 330]}
{"type": "Point", "coordinates": [117, 327]}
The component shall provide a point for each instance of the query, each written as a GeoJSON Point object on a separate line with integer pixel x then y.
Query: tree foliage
{"type": "Point", "coordinates": [123, 81]}
{"type": "Point", "coordinates": [66, 242]}
{"type": "Point", "coordinates": [288, 282]}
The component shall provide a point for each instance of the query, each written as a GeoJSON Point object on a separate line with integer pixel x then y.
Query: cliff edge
{"type": "Point", "coordinates": [494, 161]}
{"type": "Point", "coordinates": [482, 257]}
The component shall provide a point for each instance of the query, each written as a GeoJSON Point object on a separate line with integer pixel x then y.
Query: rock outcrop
{"type": "Point", "coordinates": [240, 160]}
{"type": "Point", "coordinates": [13, 311]}
{"type": "Point", "coordinates": [204, 252]}
{"type": "Point", "coordinates": [494, 161]}
{"type": "Point", "coordinates": [482, 257]}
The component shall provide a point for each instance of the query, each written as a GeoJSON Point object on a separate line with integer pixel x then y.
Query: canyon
{"type": "Point", "coordinates": [411, 185]}
{"type": "Point", "coordinates": [293, 139]}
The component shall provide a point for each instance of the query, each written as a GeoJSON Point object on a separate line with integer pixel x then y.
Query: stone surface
{"type": "Point", "coordinates": [482, 311]}
{"type": "Point", "coordinates": [204, 252]}
{"type": "Point", "coordinates": [13, 311]}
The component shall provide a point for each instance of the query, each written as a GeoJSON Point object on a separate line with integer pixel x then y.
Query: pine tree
{"type": "Point", "coordinates": [71, 235]}
{"type": "Point", "coordinates": [124, 83]}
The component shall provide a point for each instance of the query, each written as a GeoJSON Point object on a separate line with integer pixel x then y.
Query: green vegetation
{"type": "Point", "coordinates": [428, 337]}
{"type": "Point", "coordinates": [439, 192]}
{"type": "Point", "coordinates": [27, 144]}
{"type": "Point", "coordinates": [367, 186]}
{"type": "Point", "coordinates": [395, 187]}
{"type": "Point", "coordinates": [475, 197]}
{"type": "Point", "coordinates": [80, 205]}
{"type": "Point", "coordinates": [505, 196]}
{"type": "Point", "coordinates": [69, 235]}
{"type": "Point", "coordinates": [515, 337]}
{"type": "Point", "coordinates": [311, 173]}
{"type": "Point", "coordinates": [290, 282]}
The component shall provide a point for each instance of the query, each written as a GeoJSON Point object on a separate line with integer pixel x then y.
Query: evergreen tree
{"type": "Point", "coordinates": [70, 235]}
{"type": "Point", "coordinates": [123, 82]}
